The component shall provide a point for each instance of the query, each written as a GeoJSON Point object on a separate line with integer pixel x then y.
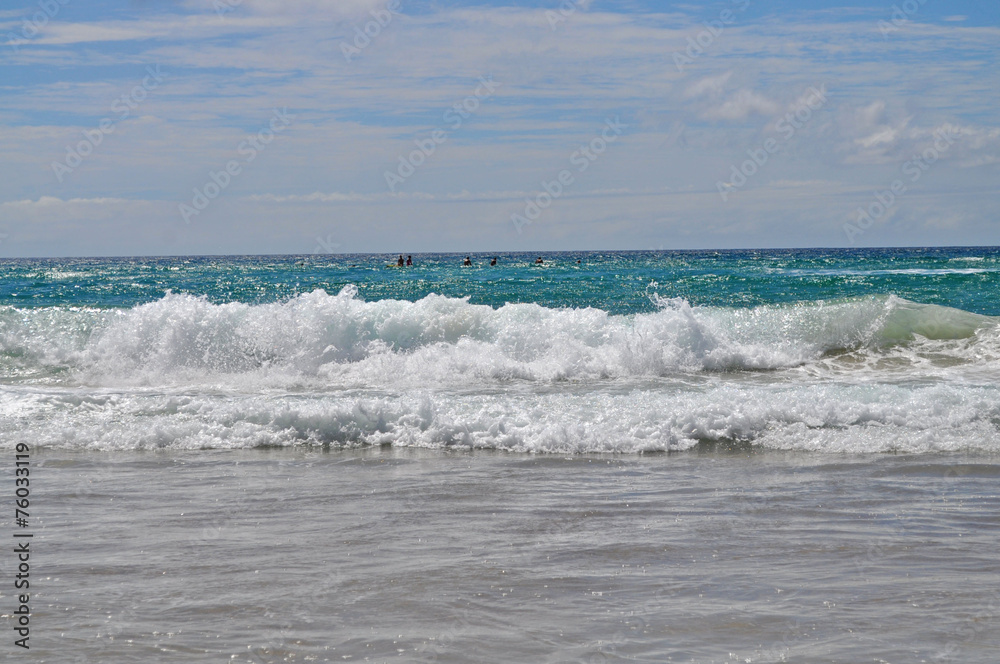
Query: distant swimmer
{"type": "Point", "coordinates": [400, 262]}
{"type": "Point", "coordinates": [493, 263]}
{"type": "Point", "coordinates": [539, 261]}
{"type": "Point", "coordinates": [409, 260]}
{"type": "Point", "coordinates": [467, 262]}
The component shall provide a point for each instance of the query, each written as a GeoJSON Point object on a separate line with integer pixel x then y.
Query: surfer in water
{"type": "Point", "coordinates": [467, 262]}
{"type": "Point", "coordinates": [409, 261]}
{"type": "Point", "coordinates": [399, 263]}
{"type": "Point", "coordinates": [493, 263]}
{"type": "Point", "coordinates": [539, 261]}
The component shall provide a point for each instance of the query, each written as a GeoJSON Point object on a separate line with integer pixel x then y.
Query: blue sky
{"type": "Point", "coordinates": [270, 126]}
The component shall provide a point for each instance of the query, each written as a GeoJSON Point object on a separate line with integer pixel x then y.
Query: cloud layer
{"type": "Point", "coordinates": [97, 160]}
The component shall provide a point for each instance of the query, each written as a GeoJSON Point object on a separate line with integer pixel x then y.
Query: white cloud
{"type": "Point", "coordinates": [76, 33]}
{"type": "Point", "coordinates": [741, 104]}
{"type": "Point", "coordinates": [871, 115]}
{"type": "Point", "coordinates": [172, 27]}
{"type": "Point", "coordinates": [465, 195]}
{"type": "Point", "coordinates": [51, 211]}
{"type": "Point", "coordinates": [53, 202]}
{"type": "Point", "coordinates": [710, 85]}
{"type": "Point", "coordinates": [316, 9]}
{"type": "Point", "coordinates": [884, 137]}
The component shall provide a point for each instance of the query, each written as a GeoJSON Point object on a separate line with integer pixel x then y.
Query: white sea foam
{"type": "Point", "coordinates": [871, 374]}
{"type": "Point", "coordinates": [318, 340]}
{"type": "Point", "coordinates": [820, 417]}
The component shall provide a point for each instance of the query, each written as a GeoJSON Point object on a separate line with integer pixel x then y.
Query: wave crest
{"type": "Point", "coordinates": [318, 339]}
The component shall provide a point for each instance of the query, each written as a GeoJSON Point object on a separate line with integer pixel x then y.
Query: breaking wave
{"type": "Point", "coordinates": [872, 374]}
{"type": "Point", "coordinates": [320, 340]}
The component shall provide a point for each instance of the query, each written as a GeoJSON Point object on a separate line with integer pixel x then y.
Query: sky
{"type": "Point", "coordinates": [346, 126]}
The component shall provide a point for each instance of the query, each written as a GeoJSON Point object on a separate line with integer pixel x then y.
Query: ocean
{"type": "Point", "coordinates": [657, 456]}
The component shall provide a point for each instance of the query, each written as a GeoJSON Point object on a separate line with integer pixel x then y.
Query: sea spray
{"type": "Point", "coordinates": [330, 341]}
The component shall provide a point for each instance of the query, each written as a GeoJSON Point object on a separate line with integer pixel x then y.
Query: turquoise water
{"type": "Point", "coordinates": [618, 282]}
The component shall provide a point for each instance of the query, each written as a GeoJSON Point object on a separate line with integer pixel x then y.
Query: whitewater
{"type": "Point", "coordinates": [869, 374]}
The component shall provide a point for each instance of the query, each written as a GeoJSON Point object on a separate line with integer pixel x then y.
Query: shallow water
{"type": "Point", "coordinates": [384, 554]}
